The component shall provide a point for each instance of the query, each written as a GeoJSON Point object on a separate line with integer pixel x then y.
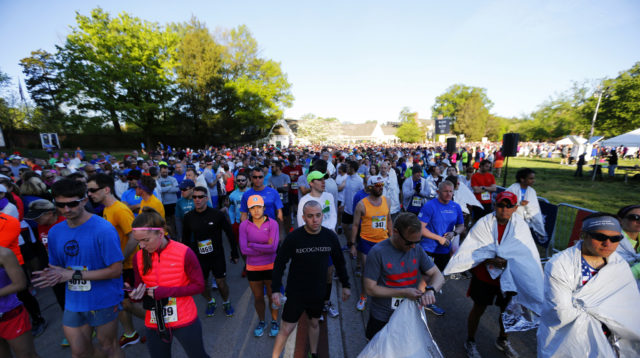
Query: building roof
{"type": "Point", "coordinates": [359, 129]}
{"type": "Point", "coordinates": [389, 130]}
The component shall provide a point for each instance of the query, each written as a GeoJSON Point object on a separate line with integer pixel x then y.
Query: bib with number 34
{"type": "Point", "coordinates": [379, 222]}
{"type": "Point", "coordinates": [169, 312]}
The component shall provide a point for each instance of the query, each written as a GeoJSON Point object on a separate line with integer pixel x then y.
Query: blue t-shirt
{"type": "Point", "coordinates": [271, 198]}
{"type": "Point", "coordinates": [440, 218]}
{"type": "Point", "coordinates": [130, 198]}
{"type": "Point", "coordinates": [361, 194]}
{"type": "Point", "coordinates": [93, 245]}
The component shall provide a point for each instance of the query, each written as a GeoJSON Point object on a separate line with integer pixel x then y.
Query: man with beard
{"type": "Point", "coordinates": [372, 214]}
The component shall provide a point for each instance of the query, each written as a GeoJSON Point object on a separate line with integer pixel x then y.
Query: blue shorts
{"type": "Point", "coordinates": [92, 318]}
{"type": "Point", "coordinates": [365, 245]}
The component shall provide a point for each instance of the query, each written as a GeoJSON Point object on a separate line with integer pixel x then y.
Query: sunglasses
{"type": "Point", "coordinates": [503, 205]}
{"type": "Point", "coordinates": [241, 180]}
{"type": "Point", "coordinates": [71, 204]}
{"type": "Point", "coordinates": [198, 196]}
{"type": "Point", "coordinates": [602, 237]}
{"type": "Point", "coordinates": [408, 242]}
{"type": "Point", "coordinates": [633, 217]}
{"type": "Point", "coordinates": [93, 190]}
{"type": "Point", "coordinates": [257, 177]}
{"type": "Point", "coordinates": [185, 189]}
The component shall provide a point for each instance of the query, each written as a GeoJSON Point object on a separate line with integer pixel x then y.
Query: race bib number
{"type": "Point", "coordinates": [78, 285]}
{"type": "Point", "coordinates": [294, 185]}
{"type": "Point", "coordinates": [379, 222]}
{"type": "Point", "coordinates": [395, 302]}
{"type": "Point", "coordinates": [45, 242]}
{"type": "Point", "coordinates": [281, 196]}
{"type": "Point", "coordinates": [205, 247]}
{"type": "Point", "coordinates": [169, 312]}
{"type": "Point", "coordinates": [416, 201]}
{"type": "Point", "coordinates": [485, 196]}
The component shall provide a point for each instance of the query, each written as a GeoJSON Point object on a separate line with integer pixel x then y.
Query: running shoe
{"type": "Point", "coordinates": [472, 349]}
{"type": "Point", "coordinates": [38, 327]}
{"type": "Point", "coordinates": [126, 341]}
{"type": "Point", "coordinates": [214, 285]}
{"type": "Point", "coordinates": [275, 328]}
{"type": "Point", "coordinates": [331, 310]}
{"type": "Point", "coordinates": [362, 303]}
{"type": "Point", "coordinates": [434, 309]}
{"type": "Point", "coordinates": [228, 309]}
{"type": "Point", "coordinates": [504, 346]}
{"type": "Point", "coordinates": [64, 343]}
{"type": "Point", "coordinates": [211, 307]}
{"type": "Point", "coordinates": [259, 331]}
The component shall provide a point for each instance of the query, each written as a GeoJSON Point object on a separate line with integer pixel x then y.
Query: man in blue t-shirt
{"type": "Point", "coordinates": [84, 252]}
{"type": "Point", "coordinates": [441, 220]}
{"type": "Point", "coordinates": [272, 202]}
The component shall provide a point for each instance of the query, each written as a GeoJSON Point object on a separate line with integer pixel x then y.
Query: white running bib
{"type": "Point", "coordinates": [169, 312]}
{"type": "Point", "coordinates": [205, 247]}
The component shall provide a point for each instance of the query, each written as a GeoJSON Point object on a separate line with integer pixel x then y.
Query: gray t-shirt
{"type": "Point", "coordinates": [393, 268]}
{"type": "Point", "coordinates": [277, 182]}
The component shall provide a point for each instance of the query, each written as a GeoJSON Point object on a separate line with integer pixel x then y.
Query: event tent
{"type": "Point", "coordinates": [630, 139]}
{"type": "Point", "coordinates": [572, 139]}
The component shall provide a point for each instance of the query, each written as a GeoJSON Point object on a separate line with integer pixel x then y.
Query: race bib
{"type": "Point", "coordinates": [396, 301]}
{"type": "Point", "coordinates": [379, 222]}
{"type": "Point", "coordinates": [485, 196]}
{"type": "Point", "coordinates": [416, 201]}
{"type": "Point", "coordinates": [294, 185]}
{"type": "Point", "coordinates": [205, 247]}
{"type": "Point", "coordinates": [78, 285]}
{"type": "Point", "coordinates": [169, 312]}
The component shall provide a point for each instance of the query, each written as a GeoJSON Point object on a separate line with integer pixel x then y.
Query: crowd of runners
{"type": "Point", "coordinates": [130, 238]}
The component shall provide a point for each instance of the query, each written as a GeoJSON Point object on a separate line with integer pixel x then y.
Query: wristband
{"type": "Point", "coordinates": [77, 275]}
{"type": "Point", "coordinates": [430, 288]}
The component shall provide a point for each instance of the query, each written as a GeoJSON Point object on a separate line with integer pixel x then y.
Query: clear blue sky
{"type": "Point", "coordinates": [366, 60]}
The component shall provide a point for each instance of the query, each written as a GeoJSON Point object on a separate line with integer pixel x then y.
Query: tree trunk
{"type": "Point", "coordinates": [115, 122]}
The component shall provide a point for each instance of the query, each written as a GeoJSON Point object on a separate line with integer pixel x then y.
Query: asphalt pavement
{"type": "Point", "coordinates": [340, 337]}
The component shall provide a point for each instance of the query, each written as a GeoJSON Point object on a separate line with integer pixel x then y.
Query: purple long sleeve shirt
{"type": "Point", "coordinates": [254, 242]}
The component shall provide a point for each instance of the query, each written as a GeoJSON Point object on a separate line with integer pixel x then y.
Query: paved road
{"type": "Point", "coordinates": [342, 336]}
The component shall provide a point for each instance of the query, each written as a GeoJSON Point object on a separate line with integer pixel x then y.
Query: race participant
{"type": "Point", "coordinates": [202, 232]}
{"type": "Point", "coordinates": [340, 179]}
{"type": "Point", "coordinates": [130, 196]}
{"type": "Point", "coordinates": [391, 273]}
{"type": "Point", "coordinates": [121, 184]}
{"type": "Point", "coordinates": [184, 205]}
{"type": "Point", "coordinates": [171, 284]}
{"type": "Point", "coordinates": [629, 248]}
{"type": "Point", "coordinates": [497, 278]}
{"type": "Point", "coordinates": [528, 206]}
{"type": "Point", "coordinates": [293, 170]}
{"type": "Point", "coordinates": [15, 328]}
{"type": "Point", "coordinates": [144, 190]}
{"type": "Point", "coordinates": [441, 221]}
{"type": "Point", "coordinates": [280, 182]}
{"type": "Point", "coordinates": [259, 239]}
{"type": "Point", "coordinates": [272, 202]}
{"type": "Point", "coordinates": [373, 217]}
{"type": "Point", "coordinates": [483, 185]}
{"type": "Point", "coordinates": [391, 190]}
{"type": "Point", "coordinates": [329, 219]}
{"type": "Point", "coordinates": [100, 191]}
{"type": "Point", "coordinates": [168, 187]}
{"type": "Point", "coordinates": [308, 248]}
{"type": "Point", "coordinates": [350, 187]}
{"type": "Point", "coordinates": [85, 252]}
{"type": "Point", "coordinates": [415, 190]}
{"type": "Point", "coordinates": [199, 180]}
{"type": "Point", "coordinates": [589, 291]}
{"type": "Point", "coordinates": [242, 181]}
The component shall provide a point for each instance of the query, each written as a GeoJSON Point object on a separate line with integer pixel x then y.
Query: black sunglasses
{"type": "Point", "coordinates": [503, 205]}
{"type": "Point", "coordinates": [633, 217]}
{"type": "Point", "coordinates": [257, 177]}
{"type": "Point", "coordinates": [198, 196]}
{"type": "Point", "coordinates": [71, 204]}
{"type": "Point", "coordinates": [602, 237]}
{"type": "Point", "coordinates": [408, 242]}
{"type": "Point", "coordinates": [93, 190]}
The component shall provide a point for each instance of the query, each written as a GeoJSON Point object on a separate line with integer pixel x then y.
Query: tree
{"type": "Point", "coordinates": [317, 129]}
{"type": "Point", "coordinates": [451, 101]}
{"type": "Point", "coordinates": [406, 115]}
{"type": "Point", "coordinates": [471, 118]}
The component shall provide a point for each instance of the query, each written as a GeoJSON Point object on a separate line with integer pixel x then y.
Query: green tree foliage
{"type": "Point", "coordinates": [406, 115]}
{"type": "Point", "coordinates": [497, 126]}
{"type": "Point", "coordinates": [451, 101]}
{"type": "Point", "coordinates": [409, 130]}
{"type": "Point", "coordinates": [471, 118]}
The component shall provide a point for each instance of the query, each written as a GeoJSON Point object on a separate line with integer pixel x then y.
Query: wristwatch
{"type": "Point", "coordinates": [77, 275]}
{"type": "Point", "coordinates": [430, 288]}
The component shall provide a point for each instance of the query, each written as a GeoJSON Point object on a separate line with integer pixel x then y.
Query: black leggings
{"type": "Point", "coordinates": [190, 338]}
{"type": "Point", "coordinates": [30, 302]}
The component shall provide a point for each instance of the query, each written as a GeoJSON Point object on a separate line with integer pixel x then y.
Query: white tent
{"type": "Point", "coordinates": [630, 139]}
{"type": "Point", "coordinates": [572, 139]}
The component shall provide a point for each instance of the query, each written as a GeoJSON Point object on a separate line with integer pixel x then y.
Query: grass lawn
{"type": "Point", "coordinates": [557, 184]}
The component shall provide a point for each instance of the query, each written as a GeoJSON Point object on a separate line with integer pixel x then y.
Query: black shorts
{"type": "Point", "coordinates": [373, 326]}
{"type": "Point", "coordinates": [259, 275]}
{"type": "Point", "coordinates": [347, 218]}
{"type": "Point", "coordinates": [294, 307]}
{"type": "Point", "coordinates": [286, 210]}
{"type": "Point", "coordinates": [213, 263]}
{"type": "Point", "coordinates": [169, 210]}
{"type": "Point", "coordinates": [485, 294]}
{"type": "Point", "coordinates": [293, 198]}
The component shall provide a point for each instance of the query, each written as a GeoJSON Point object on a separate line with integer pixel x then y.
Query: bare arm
{"type": "Point", "coordinates": [130, 247]}
{"type": "Point", "coordinates": [372, 288]}
{"type": "Point", "coordinates": [357, 215]}
{"type": "Point", "coordinates": [11, 266]}
{"type": "Point", "coordinates": [430, 235]}
{"type": "Point", "coordinates": [434, 278]}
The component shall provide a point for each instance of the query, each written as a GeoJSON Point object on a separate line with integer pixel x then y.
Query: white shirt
{"type": "Point", "coordinates": [330, 213]}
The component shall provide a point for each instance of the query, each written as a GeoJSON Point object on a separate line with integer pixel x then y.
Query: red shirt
{"type": "Point", "coordinates": [293, 173]}
{"type": "Point", "coordinates": [43, 232]}
{"type": "Point", "coordinates": [481, 272]}
{"type": "Point", "coordinates": [482, 179]}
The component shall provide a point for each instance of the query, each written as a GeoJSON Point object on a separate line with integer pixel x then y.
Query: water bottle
{"type": "Point", "coordinates": [283, 299]}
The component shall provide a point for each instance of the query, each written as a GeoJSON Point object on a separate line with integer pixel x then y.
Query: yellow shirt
{"type": "Point", "coordinates": [153, 202]}
{"type": "Point", "coordinates": [121, 217]}
{"type": "Point", "coordinates": [373, 225]}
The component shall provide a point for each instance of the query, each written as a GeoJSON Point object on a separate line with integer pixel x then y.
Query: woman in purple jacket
{"type": "Point", "coordinates": [259, 242]}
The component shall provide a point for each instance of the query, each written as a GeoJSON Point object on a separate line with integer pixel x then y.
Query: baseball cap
{"type": "Point", "coordinates": [187, 183]}
{"type": "Point", "coordinates": [315, 175]}
{"type": "Point", "coordinates": [162, 164]}
{"type": "Point", "coordinates": [255, 200]}
{"type": "Point", "coordinates": [134, 174]}
{"type": "Point", "coordinates": [375, 179]}
{"type": "Point", "coordinates": [507, 195]}
{"type": "Point", "coordinates": [39, 207]}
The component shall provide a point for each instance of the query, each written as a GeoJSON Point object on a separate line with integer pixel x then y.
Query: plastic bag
{"type": "Point", "coordinates": [517, 318]}
{"type": "Point", "coordinates": [406, 335]}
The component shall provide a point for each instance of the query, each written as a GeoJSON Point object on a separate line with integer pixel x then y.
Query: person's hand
{"type": "Point", "coordinates": [46, 278]}
{"type": "Point", "coordinates": [234, 260]}
{"type": "Point", "coordinates": [138, 292]}
{"type": "Point", "coordinates": [346, 293]}
{"type": "Point", "coordinates": [275, 298]}
{"type": "Point", "coordinates": [412, 293]}
{"type": "Point", "coordinates": [427, 298]}
{"type": "Point", "coordinates": [270, 241]}
{"type": "Point", "coordinates": [498, 262]}
{"type": "Point", "coordinates": [353, 251]}
{"type": "Point", "coordinates": [443, 241]}
{"type": "Point", "coordinates": [524, 202]}
{"type": "Point", "coordinates": [151, 292]}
